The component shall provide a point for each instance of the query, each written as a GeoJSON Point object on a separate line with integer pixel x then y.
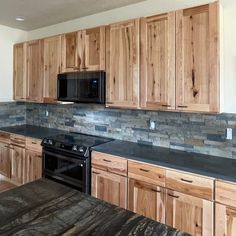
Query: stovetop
{"type": "Point", "coordinates": [77, 143]}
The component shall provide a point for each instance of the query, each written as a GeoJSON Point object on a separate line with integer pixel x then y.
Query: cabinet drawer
{"type": "Point", "coordinates": [190, 184]}
{"type": "Point", "coordinates": [17, 140]}
{"type": "Point", "coordinates": [225, 193]}
{"type": "Point", "coordinates": [4, 137]}
{"type": "Point", "coordinates": [147, 173]}
{"type": "Point", "coordinates": [110, 163]}
{"type": "Point", "coordinates": [33, 144]}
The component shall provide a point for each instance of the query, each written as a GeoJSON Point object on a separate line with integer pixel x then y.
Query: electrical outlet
{"type": "Point", "coordinates": [152, 125]}
{"type": "Point", "coordinates": [46, 113]}
{"type": "Point", "coordinates": [229, 134]}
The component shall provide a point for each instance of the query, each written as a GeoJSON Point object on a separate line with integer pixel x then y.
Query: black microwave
{"type": "Point", "coordinates": [81, 87]}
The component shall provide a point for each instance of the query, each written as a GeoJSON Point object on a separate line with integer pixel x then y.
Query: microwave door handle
{"type": "Point", "coordinates": [66, 158]}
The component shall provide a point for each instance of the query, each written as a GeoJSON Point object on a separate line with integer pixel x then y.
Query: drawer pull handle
{"type": "Point", "coordinates": [172, 195]}
{"type": "Point", "coordinates": [144, 170]}
{"type": "Point", "coordinates": [157, 191]}
{"type": "Point", "coordinates": [165, 105]}
{"type": "Point", "coordinates": [181, 106]}
{"type": "Point", "coordinates": [185, 180]}
{"type": "Point", "coordinates": [96, 173]}
{"type": "Point", "coordinates": [106, 160]}
{"type": "Point", "coordinates": [33, 142]}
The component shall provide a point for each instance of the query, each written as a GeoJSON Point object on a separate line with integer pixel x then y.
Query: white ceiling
{"type": "Point", "coordinates": [40, 13]}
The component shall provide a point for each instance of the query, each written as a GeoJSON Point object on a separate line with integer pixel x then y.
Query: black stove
{"type": "Point", "coordinates": [67, 159]}
{"type": "Point", "coordinates": [76, 143]}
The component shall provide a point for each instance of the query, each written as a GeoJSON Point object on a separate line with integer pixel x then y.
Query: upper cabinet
{"type": "Point", "coordinates": [158, 62]}
{"type": "Point", "coordinates": [197, 58]}
{"type": "Point", "coordinates": [34, 71]}
{"type": "Point", "coordinates": [84, 50]}
{"type": "Point", "coordinates": [122, 64]}
{"type": "Point", "coordinates": [52, 67]}
{"type": "Point", "coordinates": [19, 81]}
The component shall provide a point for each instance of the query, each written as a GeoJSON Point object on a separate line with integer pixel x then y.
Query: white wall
{"type": "Point", "coordinates": [150, 7]}
{"type": "Point", "coordinates": [8, 36]}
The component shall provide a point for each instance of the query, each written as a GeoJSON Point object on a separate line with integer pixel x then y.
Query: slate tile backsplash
{"type": "Point", "coordinates": [12, 113]}
{"type": "Point", "coordinates": [202, 133]}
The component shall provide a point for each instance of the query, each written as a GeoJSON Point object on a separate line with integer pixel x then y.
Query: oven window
{"type": "Point", "coordinates": [64, 168]}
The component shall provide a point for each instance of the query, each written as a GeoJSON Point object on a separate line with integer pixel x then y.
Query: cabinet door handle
{"type": "Point", "coordinates": [33, 142]}
{"type": "Point", "coordinates": [182, 106]}
{"type": "Point", "coordinates": [106, 160]}
{"type": "Point", "coordinates": [165, 105]}
{"type": "Point", "coordinates": [185, 180]}
{"type": "Point", "coordinates": [144, 170]}
{"type": "Point", "coordinates": [172, 195]}
{"type": "Point", "coordinates": [155, 190]}
{"type": "Point", "coordinates": [96, 173]}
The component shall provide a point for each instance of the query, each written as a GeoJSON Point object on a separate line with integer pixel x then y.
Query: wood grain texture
{"type": "Point", "coordinates": [197, 59]}
{"type": "Point", "coordinates": [195, 185]}
{"type": "Point", "coordinates": [95, 48]}
{"type": "Point", "coordinates": [122, 64]}
{"type": "Point", "coordinates": [225, 220]}
{"type": "Point", "coordinates": [17, 140]}
{"type": "Point", "coordinates": [145, 172]}
{"type": "Point", "coordinates": [110, 163]}
{"type": "Point", "coordinates": [158, 62]}
{"type": "Point", "coordinates": [35, 71]}
{"type": "Point", "coordinates": [225, 193]}
{"type": "Point", "coordinates": [33, 144]}
{"type": "Point", "coordinates": [19, 73]}
{"type": "Point", "coordinates": [58, 210]}
{"type": "Point", "coordinates": [146, 199]}
{"type": "Point", "coordinates": [190, 214]}
{"type": "Point", "coordinates": [52, 67]}
{"type": "Point", "coordinates": [32, 166]}
{"type": "Point", "coordinates": [4, 137]}
{"type": "Point", "coordinates": [5, 161]}
{"type": "Point", "coordinates": [109, 187]}
{"type": "Point", "coordinates": [5, 184]}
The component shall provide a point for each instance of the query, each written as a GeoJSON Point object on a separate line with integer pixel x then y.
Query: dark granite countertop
{"type": "Point", "coordinates": [48, 208]}
{"type": "Point", "coordinates": [32, 131]}
{"type": "Point", "coordinates": [212, 166]}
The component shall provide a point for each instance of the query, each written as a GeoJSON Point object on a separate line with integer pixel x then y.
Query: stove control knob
{"type": "Point", "coordinates": [81, 150]}
{"type": "Point", "coordinates": [75, 148]}
{"type": "Point", "coordinates": [50, 142]}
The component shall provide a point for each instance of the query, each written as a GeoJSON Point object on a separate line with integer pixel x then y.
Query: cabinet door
{"type": "Point", "coordinates": [225, 220]}
{"type": "Point", "coordinates": [32, 166]}
{"type": "Point", "coordinates": [17, 158]}
{"type": "Point", "coordinates": [189, 214]}
{"type": "Point", "coordinates": [52, 67]}
{"type": "Point", "coordinates": [122, 64]}
{"type": "Point", "coordinates": [19, 81]}
{"type": "Point", "coordinates": [95, 48]}
{"type": "Point", "coordinates": [158, 62]}
{"type": "Point", "coordinates": [5, 163]}
{"type": "Point", "coordinates": [197, 59]}
{"type": "Point", "coordinates": [73, 52]}
{"type": "Point", "coordinates": [147, 199]}
{"type": "Point", "coordinates": [109, 187]}
{"type": "Point", "coordinates": [34, 71]}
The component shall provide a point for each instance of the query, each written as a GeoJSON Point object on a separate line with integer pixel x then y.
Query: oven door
{"type": "Point", "coordinates": [66, 168]}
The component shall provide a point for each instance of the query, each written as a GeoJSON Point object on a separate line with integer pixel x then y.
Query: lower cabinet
{"type": "Point", "coordinates": [5, 162]}
{"type": "Point", "coordinates": [109, 187]}
{"type": "Point", "coordinates": [190, 214]}
{"type": "Point", "coordinates": [32, 166]}
{"type": "Point", "coordinates": [225, 220]}
{"type": "Point", "coordinates": [17, 155]}
{"type": "Point", "coordinates": [147, 199]}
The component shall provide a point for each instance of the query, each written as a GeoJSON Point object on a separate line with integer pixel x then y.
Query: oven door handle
{"type": "Point", "coordinates": [66, 158]}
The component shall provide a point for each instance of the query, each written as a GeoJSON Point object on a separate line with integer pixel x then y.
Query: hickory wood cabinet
{"type": "Point", "coordinates": [21, 157]}
{"type": "Point", "coordinates": [225, 220]}
{"type": "Point", "coordinates": [122, 64]}
{"type": "Point", "coordinates": [179, 199]}
{"type": "Point", "coordinates": [84, 50]}
{"type": "Point", "coordinates": [19, 73]}
{"type": "Point", "coordinates": [158, 62]}
{"type": "Point", "coordinates": [146, 195]}
{"type": "Point", "coordinates": [109, 181]}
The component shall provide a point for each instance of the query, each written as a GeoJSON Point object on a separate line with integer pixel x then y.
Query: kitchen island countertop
{"type": "Point", "coordinates": [44, 207]}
